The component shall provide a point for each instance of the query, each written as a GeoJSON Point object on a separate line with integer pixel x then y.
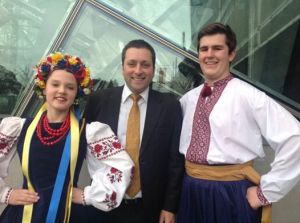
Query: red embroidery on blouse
{"type": "Point", "coordinates": [105, 147]}
{"type": "Point", "coordinates": [6, 143]}
{"type": "Point", "coordinates": [200, 140]}
{"type": "Point", "coordinates": [115, 175]}
{"type": "Point", "coordinates": [111, 200]}
{"type": "Point", "coordinates": [117, 145]}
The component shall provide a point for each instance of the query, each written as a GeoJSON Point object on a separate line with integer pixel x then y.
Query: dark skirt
{"type": "Point", "coordinates": [43, 167]}
{"type": "Point", "coordinates": [14, 214]}
{"type": "Point", "coordinates": [207, 201]}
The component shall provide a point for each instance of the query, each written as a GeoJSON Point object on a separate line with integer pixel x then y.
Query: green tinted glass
{"type": "Point", "coordinates": [98, 38]}
{"type": "Point", "coordinates": [267, 31]}
{"type": "Point", "coordinates": [27, 30]}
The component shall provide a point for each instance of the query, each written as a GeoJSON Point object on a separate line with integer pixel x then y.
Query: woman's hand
{"type": "Point", "coordinates": [77, 196]}
{"type": "Point", "coordinates": [23, 197]}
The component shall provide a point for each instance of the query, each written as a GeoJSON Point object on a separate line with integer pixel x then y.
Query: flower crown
{"type": "Point", "coordinates": [59, 61]}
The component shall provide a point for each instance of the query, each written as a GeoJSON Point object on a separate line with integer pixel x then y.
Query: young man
{"type": "Point", "coordinates": [158, 164]}
{"type": "Point", "coordinates": [224, 121]}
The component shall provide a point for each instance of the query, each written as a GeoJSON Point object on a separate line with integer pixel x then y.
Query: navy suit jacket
{"type": "Point", "coordinates": [161, 164]}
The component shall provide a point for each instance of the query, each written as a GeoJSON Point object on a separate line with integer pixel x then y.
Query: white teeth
{"type": "Point", "coordinates": [138, 78]}
{"type": "Point", "coordinates": [210, 62]}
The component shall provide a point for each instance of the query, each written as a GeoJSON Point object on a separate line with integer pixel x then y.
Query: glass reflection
{"type": "Point", "coordinates": [99, 39]}
{"type": "Point", "coordinates": [27, 28]}
{"type": "Point", "coordinates": [268, 33]}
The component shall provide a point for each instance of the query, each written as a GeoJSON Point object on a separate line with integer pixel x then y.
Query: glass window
{"type": "Point", "coordinates": [99, 39]}
{"type": "Point", "coordinates": [267, 31]}
{"type": "Point", "coordinates": [27, 30]}
{"type": "Point", "coordinates": [170, 19]}
{"type": "Point", "coordinates": [268, 46]}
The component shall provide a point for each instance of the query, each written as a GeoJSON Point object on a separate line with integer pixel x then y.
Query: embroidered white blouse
{"type": "Point", "coordinates": [109, 166]}
{"type": "Point", "coordinates": [238, 121]}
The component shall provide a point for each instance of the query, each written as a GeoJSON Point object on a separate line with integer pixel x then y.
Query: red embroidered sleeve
{"type": "Point", "coordinates": [261, 197]}
{"type": "Point", "coordinates": [111, 200]}
{"type": "Point", "coordinates": [105, 147]}
{"type": "Point", "coordinates": [6, 143]}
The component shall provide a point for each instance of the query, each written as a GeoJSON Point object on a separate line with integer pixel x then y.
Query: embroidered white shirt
{"type": "Point", "coordinates": [240, 119]}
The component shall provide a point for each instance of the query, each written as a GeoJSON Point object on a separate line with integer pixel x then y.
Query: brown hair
{"type": "Point", "coordinates": [138, 43]}
{"type": "Point", "coordinates": [218, 28]}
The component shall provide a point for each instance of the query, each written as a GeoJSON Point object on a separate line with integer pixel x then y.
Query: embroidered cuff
{"type": "Point", "coordinates": [261, 197]}
{"type": "Point", "coordinates": [83, 198]}
{"type": "Point", "coordinates": [6, 195]}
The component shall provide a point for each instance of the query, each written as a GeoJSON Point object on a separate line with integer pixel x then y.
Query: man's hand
{"type": "Point", "coordinates": [166, 217]}
{"type": "Point", "coordinates": [23, 197]}
{"type": "Point", "coordinates": [253, 198]}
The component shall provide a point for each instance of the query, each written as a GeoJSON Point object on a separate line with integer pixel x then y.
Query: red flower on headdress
{"type": "Point", "coordinates": [78, 59]}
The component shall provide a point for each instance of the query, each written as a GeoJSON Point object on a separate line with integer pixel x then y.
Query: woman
{"type": "Point", "coordinates": [52, 147]}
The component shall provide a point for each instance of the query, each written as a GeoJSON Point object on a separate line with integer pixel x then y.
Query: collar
{"type": "Point", "coordinates": [223, 81]}
{"type": "Point", "coordinates": [127, 92]}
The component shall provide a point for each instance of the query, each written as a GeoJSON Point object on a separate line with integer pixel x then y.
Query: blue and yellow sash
{"type": "Point", "coordinates": [70, 152]}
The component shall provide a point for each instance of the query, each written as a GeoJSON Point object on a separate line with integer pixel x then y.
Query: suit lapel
{"type": "Point", "coordinates": [113, 108]}
{"type": "Point", "coordinates": [152, 118]}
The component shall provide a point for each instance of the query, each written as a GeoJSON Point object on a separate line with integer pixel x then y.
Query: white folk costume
{"type": "Point", "coordinates": [228, 128]}
{"type": "Point", "coordinates": [108, 164]}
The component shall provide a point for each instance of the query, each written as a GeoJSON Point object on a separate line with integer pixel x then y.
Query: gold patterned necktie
{"type": "Point", "coordinates": [133, 144]}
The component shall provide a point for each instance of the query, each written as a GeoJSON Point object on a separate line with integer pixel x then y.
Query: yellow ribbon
{"type": "Point", "coordinates": [27, 211]}
{"type": "Point", "coordinates": [74, 154]}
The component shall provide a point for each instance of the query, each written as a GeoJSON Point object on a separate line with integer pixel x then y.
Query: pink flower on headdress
{"type": "Point", "coordinates": [40, 76]}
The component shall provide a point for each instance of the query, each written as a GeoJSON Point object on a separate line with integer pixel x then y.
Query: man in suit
{"type": "Point", "coordinates": [159, 163]}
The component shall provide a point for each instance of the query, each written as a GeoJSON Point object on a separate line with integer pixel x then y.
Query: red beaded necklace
{"type": "Point", "coordinates": [52, 136]}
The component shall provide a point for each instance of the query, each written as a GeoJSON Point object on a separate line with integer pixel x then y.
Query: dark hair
{"type": "Point", "coordinates": [218, 28]}
{"type": "Point", "coordinates": [138, 43]}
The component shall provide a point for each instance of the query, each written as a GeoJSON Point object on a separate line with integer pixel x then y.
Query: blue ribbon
{"type": "Point", "coordinates": [59, 182]}
{"type": "Point", "coordinates": [60, 178]}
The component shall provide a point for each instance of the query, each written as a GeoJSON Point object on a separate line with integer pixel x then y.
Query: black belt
{"type": "Point", "coordinates": [135, 201]}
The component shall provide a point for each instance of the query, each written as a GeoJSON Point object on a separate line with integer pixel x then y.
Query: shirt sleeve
{"type": "Point", "coordinates": [10, 129]}
{"type": "Point", "coordinates": [109, 165]}
{"type": "Point", "coordinates": [282, 131]}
